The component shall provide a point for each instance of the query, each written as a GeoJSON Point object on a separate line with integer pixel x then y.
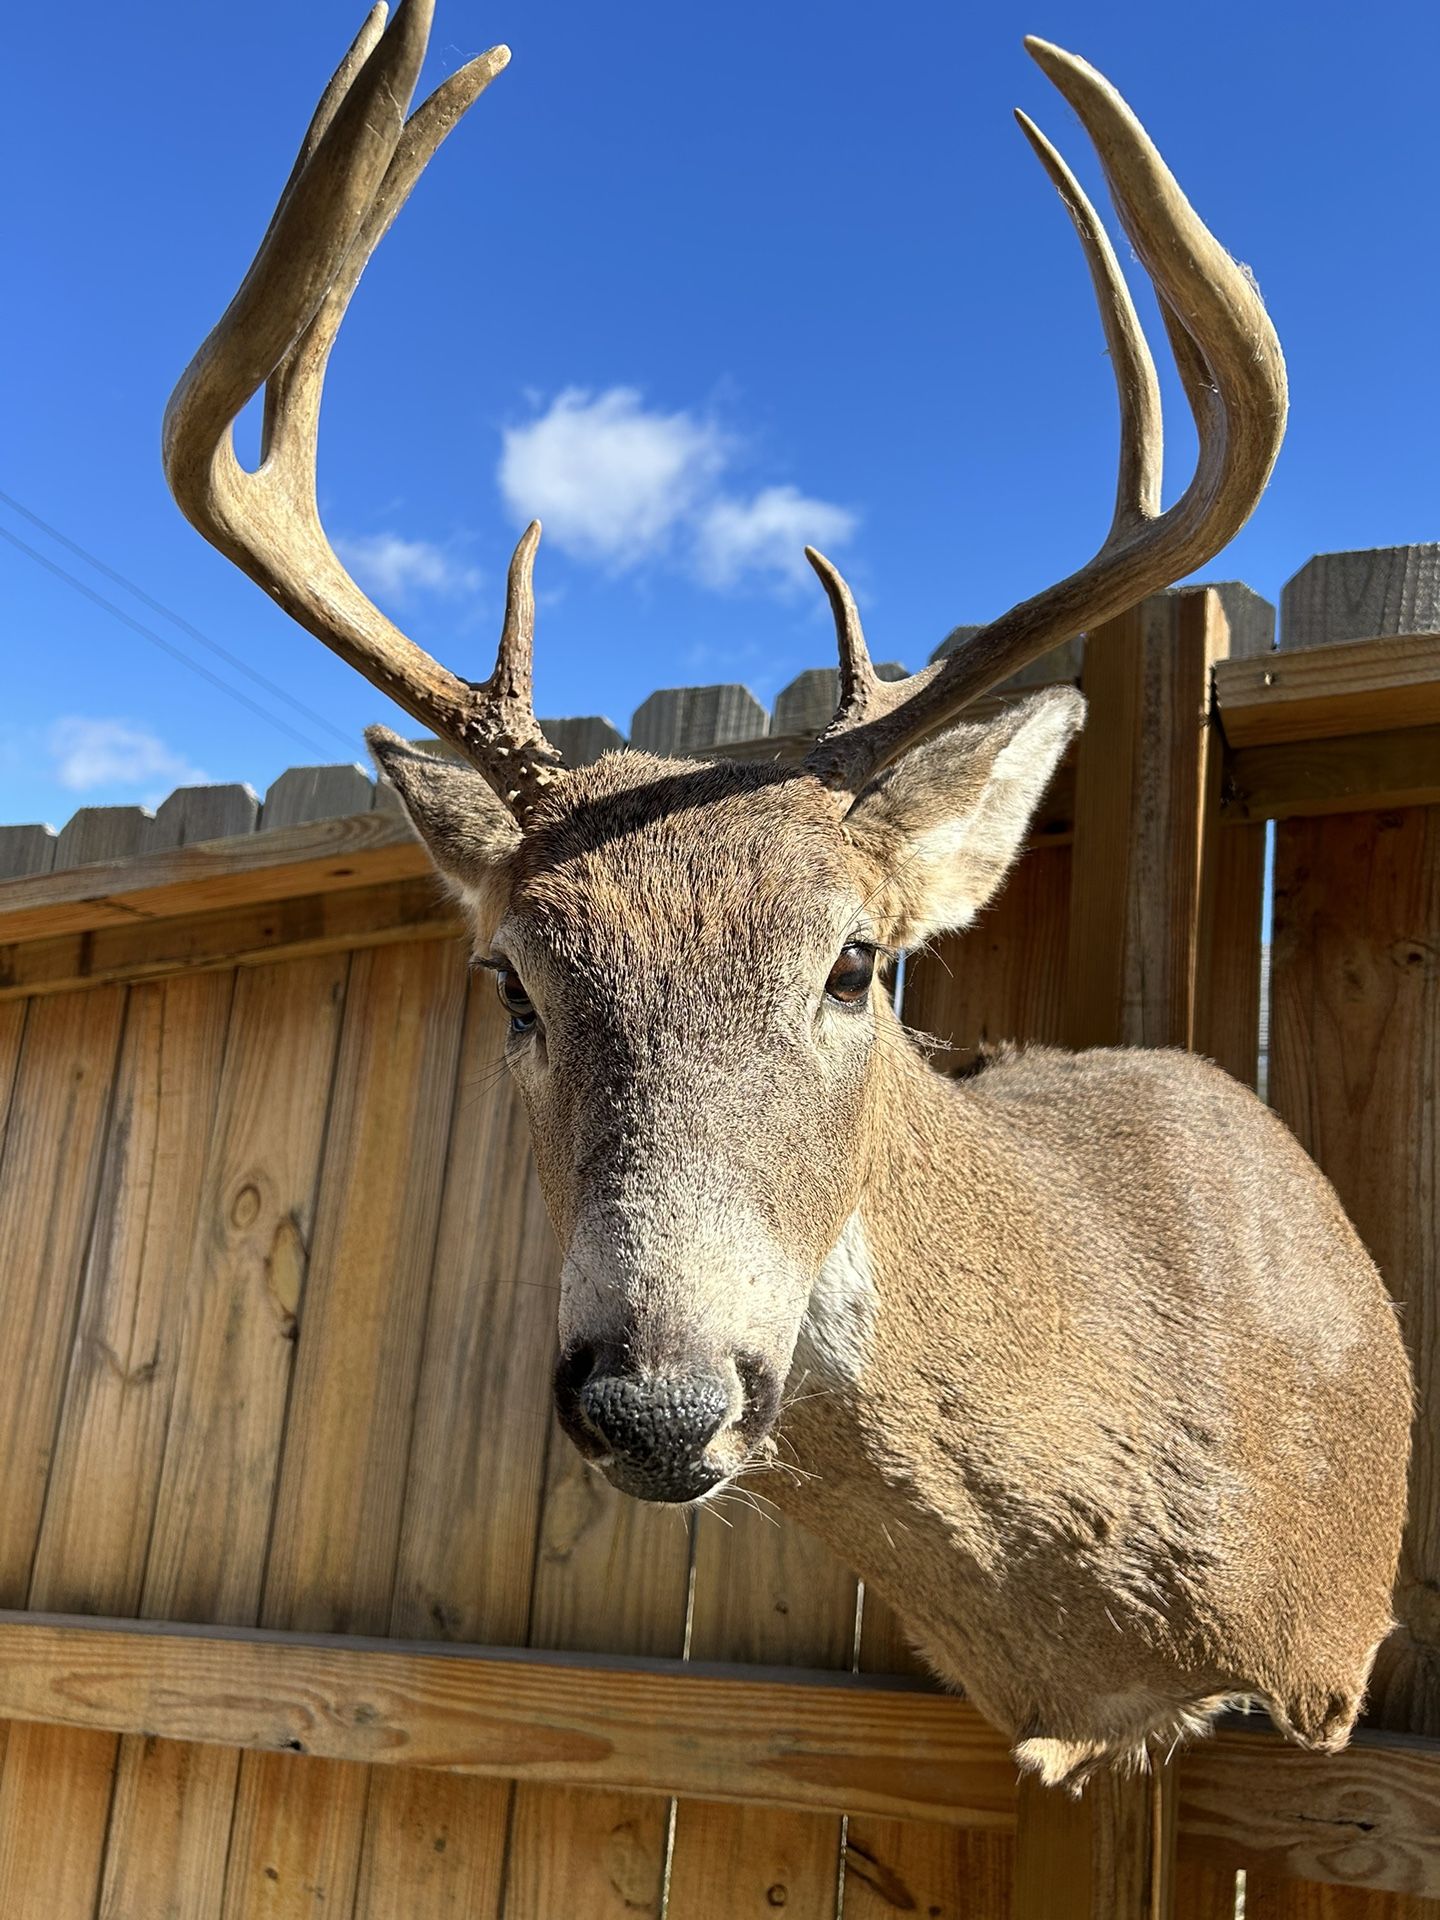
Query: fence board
{"type": "Point", "coordinates": [170, 1819]}
{"type": "Point", "coordinates": [299, 1826]}
{"type": "Point", "coordinates": [1109, 1853]}
{"type": "Point", "coordinates": [767, 1593]}
{"type": "Point", "coordinates": [435, 1843]}
{"type": "Point", "coordinates": [1226, 1021]}
{"type": "Point", "coordinates": [101, 1489]}
{"type": "Point", "coordinates": [54, 1144]}
{"type": "Point", "coordinates": [254, 935]}
{"type": "Point", "coordinates": [58, 1064]}
{"type": "Point", "coordinates": [320, 856]}
{"type": "Point", "coordinates": [1204, 1891]}
{"type": "Point", "coordinates": [1355, 1041]}
{"type": "Point", "coordinates": [1302, 1900]}
{"type": "Point", "coordinates": [917, 1866]}
{"type": "Point", "coordinates": [1005, 978]}
{"type": "Point", "coordinates": [611, 1574]}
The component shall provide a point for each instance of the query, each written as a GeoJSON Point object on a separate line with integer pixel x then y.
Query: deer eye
{"type": "Point", "coordinates": [515, 1000]}
{"type": "Point", "coordinates": [850, 977]}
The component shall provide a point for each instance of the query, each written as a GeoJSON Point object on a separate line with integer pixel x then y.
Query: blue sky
{"type": "Point", "coordinates": [697, 284]}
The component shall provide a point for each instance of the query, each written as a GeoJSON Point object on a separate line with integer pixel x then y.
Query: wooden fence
{"type": "Point", "coordinates": [312, 1611]}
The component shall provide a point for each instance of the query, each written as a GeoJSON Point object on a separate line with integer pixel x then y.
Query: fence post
{"type": "Point", "coordinates": [1145, 823]}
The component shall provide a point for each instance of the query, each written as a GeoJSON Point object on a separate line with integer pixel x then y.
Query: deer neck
{"type": "Point", "coordinates": [890, 1295]}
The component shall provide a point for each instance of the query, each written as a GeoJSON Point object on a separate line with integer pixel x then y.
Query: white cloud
{"type": "Point", "coordinates": [115, 754]}
{"type": "Point", "coordinates": [768, 534]}
{"type": "Point", "coordinates": [619, 483]}
{"type": "Point", "coordinates": [609, 479]}
{"type": "Point", "coordinates": [393, 568]}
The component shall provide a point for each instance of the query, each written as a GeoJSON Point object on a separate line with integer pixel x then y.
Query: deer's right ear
{"type": "Point", "coordinates": [943, 825]}
{"type": "Point", "coordinates": [470, 833]}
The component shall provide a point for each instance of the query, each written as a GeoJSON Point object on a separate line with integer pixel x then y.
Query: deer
{"type": "Point", "coordinates": [1102, 1391]}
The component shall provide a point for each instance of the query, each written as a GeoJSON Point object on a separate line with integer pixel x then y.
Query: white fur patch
{"type": "Point", "coordinates": [839, 1324]}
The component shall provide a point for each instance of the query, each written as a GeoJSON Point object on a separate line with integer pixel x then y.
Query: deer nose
{"type": "Point", "coordinates": [648, 1431]}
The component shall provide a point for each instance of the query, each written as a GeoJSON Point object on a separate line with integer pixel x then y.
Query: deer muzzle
{"type": "Point", "coordinates": [671, 1437]}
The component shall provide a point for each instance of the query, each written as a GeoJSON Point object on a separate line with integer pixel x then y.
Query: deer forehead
{"type": "Point", "coordinates": [656, 867]}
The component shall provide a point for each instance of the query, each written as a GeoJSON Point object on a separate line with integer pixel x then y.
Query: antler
{"type": "Point", "coordinates": [1233, 373]}
{"type": "Point", "coordinates": [356, 167]}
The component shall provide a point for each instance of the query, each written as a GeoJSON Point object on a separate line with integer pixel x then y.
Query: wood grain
{"type": "Point", "coordinates": [1355, 1039]}
{"type": "Point", "coordinates": [1355, 1046]}
{"type": "Point", "coordinates": [435, 1843]}
{"type": "Point", "coordinates": [255, 935]}
{"type": "Point", "coordinates": [243, 1293]}
{"type": "Point", "coordinates": [102, 1483]}
{"type": "Point", "coordinates": [918, 1866]}
{"type": "Point", "coordinates": [812, 1741]}
{"type": "Point", "coordinates": [1225, 1017]}
{"type": "Point", "coordinates": [1358, 686]}
{"type": "Point", "coordinates": [1347, 595]}
{"type": "Point", "coordinates": [610, 1573]}
{"type": "Point", "coordinates": [768, 1593]}
{"type": "Point", "coordinates": [1366, 770]}
{"type": "Point", "coordinates": [1364, 1818]}
{"type": "Point", "coordinates": [1142, 784]}
{"type": "Point", "coordinates": [1003, 979]}
{"type": "Point", "coordinates": [1267, 1899]}
{"type": "Point", "coordinates": [1109, 1853]}
{"type": "Point", "coordinates": [318, 857]}
{"type": "Point", "coordinates": [54, 1147]}
{"type": "Point", "coordinates": [774, 1737]}
{"type": "Point", "coordinates": [1202, 1889]}
{"type": "Point", "coordinates": [332, 1551]}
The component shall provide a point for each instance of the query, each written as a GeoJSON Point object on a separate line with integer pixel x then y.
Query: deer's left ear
{"type": "Point", "coordinates": [942, 827]}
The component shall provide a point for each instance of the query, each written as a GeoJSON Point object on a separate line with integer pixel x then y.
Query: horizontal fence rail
{"type": "Point", "coordinates": [808, 1740]}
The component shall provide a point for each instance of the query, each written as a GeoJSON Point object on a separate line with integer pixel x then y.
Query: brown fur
{"type": "Point", "coordinates": [1090, 1376]}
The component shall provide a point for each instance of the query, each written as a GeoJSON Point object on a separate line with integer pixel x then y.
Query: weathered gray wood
{"type": "Point", "coordinates": [317, 793]}
{"type": "Point", "coordinates": [808, 704]}
{"type": "Point", "coordinates": [582, 741]}
{"type": "Point", "coordinates": [103, 833]}
{"type": "Point", "coordinates": [1361, 595]}
{"type": "Point", "coordinates": [26, 850]}
{"type": "Point", "coordinates": [685, 719]}
{"type": "Point", "coordinates": [1249, 615]}
{"type": "Point", "coordinates": [204, 813]}
{"type": "Point", "coordinates": [1060, 663]}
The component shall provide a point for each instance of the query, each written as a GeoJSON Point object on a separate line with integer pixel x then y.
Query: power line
{"type": "Point", "coordinates": [158, 640]}
{"type": "Point", "coordinates": [168, 613]}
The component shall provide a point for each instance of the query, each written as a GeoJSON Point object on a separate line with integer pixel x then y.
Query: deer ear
{"type": "Point", "coordinates": [942, 827]}
{"type": "Point", "coordinates": [470, 833]}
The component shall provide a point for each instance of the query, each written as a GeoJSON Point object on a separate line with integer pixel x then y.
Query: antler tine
{"type": "Point", "coordinates": [357, 165]}
{"type": "Point", "coordinates": [1234, 377]}
{"type": "Point", "coordinates": [858, 679]}
{"type": "Point", "coordinates": [502, 736]}
{"type": "Point", "coordinates": [1142, 435]}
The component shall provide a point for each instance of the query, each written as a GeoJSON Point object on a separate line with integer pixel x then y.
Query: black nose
{"type": "Point", "coordinates": [650, 1430]}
